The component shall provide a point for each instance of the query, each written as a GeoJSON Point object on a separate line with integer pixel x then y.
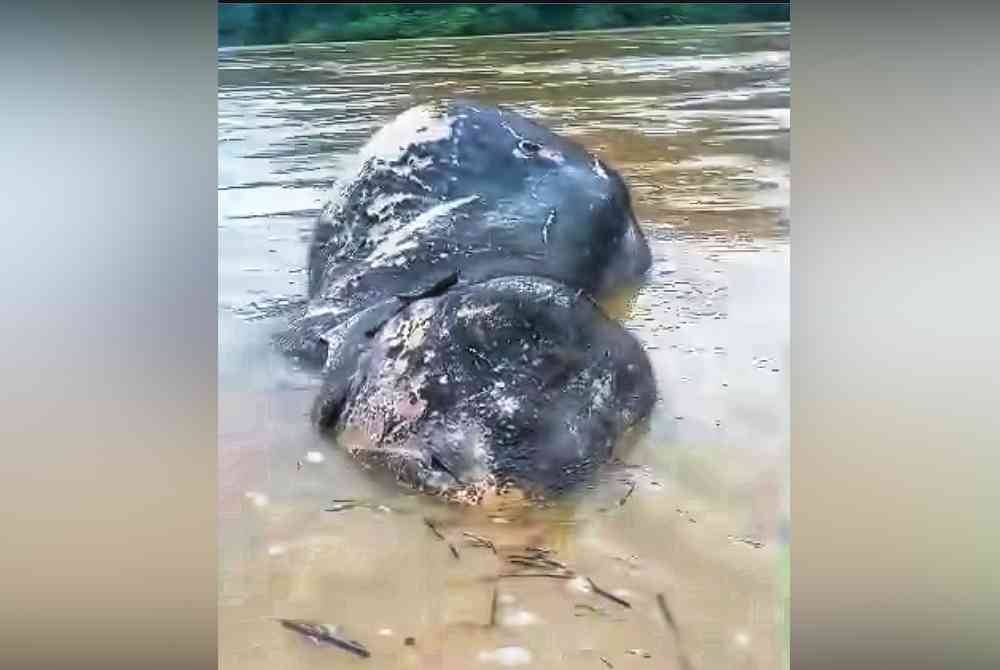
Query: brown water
{"type": "Point", "coordinates": [697, 120]}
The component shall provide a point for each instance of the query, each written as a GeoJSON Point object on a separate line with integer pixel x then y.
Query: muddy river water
{"type": "Point", "coordinates": [696, 515]}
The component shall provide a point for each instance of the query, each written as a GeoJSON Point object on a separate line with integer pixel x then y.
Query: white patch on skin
{"type": "Point", "coordinates": [506, 656]}
{"type": "Point", "coordinates": [508, 405]}
{"type": "Point", "coordinates": [545, 229]}
{"type": "Point", "coordinates": [382, 204]}
{"type": "Point", "coordinates": [409, 331]}
{"type": "Point", "coordinates": [551, 155]}
{"type": "Point", "coordinates": [275, 550]}
{"type": "Point", "coordinates": [601, 391]}
{"type": "Point", "coordinates": [418, 125]}
{"type": "Point", "coordinates": [315, 457]}
{"type": "Point", "coordinates": [385, 632]}
{"type": "Point", "coordinates": [533, 289]}
{"type": "Point", "coordinates": [475, 311]}
{"type": "Point", "coordinates": [399, 366]}
{"type": "Point", "coordinates": [389, 143]}
{"type": "Point", "coordinates": [320, 311]}
{"type": "Point", "coordinates": [404, 238]}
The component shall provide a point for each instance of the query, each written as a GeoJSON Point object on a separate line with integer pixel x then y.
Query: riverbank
{"type": "Point", "coordinates": [251, 25]}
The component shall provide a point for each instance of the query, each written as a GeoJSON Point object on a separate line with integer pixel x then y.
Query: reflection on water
{"type": "Point", "coordinates": [697, 120]}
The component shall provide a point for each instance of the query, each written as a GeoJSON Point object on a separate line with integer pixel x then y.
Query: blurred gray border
{"type": "Point", "coordinates": [109, 332]}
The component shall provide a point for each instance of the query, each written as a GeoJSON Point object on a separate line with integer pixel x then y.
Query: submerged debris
{"type": "Point", "coordinates": [755, 543]}
{"type": "Point", "coordinates": [321, 632]}
{"type": "Point", "coordinates": [344, 504]}
{"type": "Point", "coordinates": [631, 490]}
{"type": "Point", "coordinates": [553, 575]}
{"type": "Point", "coordinates": [479, 541]}
{"type": "Point", "coordinates": [661, 600]}
{"type": "Point", "coordinates": [580, 609]}
{"type": "Point", "coordinates": [430, 524]}
{"type": "Point", "coordinates": [610, 596]}
{"type": "Point", "coordinates": [539, 550]}
{"type": "Point", "coordinates": [682, 659]}
{"type": "Point", "coordinates": [536, 562]}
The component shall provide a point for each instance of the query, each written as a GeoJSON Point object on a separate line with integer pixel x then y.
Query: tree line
{"type": "Point", "coordinates": [247, 24]}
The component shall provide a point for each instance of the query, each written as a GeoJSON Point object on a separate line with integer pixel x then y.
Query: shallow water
{"type": "Point", "coordinates": [697, 121]}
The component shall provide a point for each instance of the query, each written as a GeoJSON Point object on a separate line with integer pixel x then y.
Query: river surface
{"type": "Point", "coordinates": [697, 121]}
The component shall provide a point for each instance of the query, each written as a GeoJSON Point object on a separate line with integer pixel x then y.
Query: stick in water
{"type": "Point", "coordinates": [610, 596]}
{"type": "Point", "coordinates": [324, 633]}
{"type": "Point", "coordinates": [662, 602]}
{"type": "Point", "coordinates": [430, 524]}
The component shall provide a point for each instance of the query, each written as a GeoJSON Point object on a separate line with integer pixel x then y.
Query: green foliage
{"type": "Point", "coordinates": [245, 24]}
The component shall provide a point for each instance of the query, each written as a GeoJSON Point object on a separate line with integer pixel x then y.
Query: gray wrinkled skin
{"type": "Point", "coordinates": [515, 382]}
{"type": "Point", "coordinates": [470, 189]}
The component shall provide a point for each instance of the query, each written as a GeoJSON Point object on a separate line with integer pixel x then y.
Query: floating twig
{"type": "Point", "coordinates": [631, 489]}
{"type": "Point", "coordinates": [493, 608]}
{"type": "Point", "coordinates": [662, 602]}
{"type": "Point", "coordinates": [341, 506]}
{"type": "Point", "coordinates": [682, 659]}
{"type": "Point", "coordinates": [580, 608]}
{"type": "Point", "coordinates": [319, 632]}
{"type": "Point", "coordinates": [479, 541]}
{"type": "Point", "coordinates": [610, 596]}
{"type": "Point", "coordinates": [454, 551]}
{"type": "Point", "coordinates": [553, 575]}
{"type": "Point", "coordinates": [541, 565]}
{"type": "Point", "coordinates": [536, 561]}
{"type": "Point", "coordinates": [430, 524]}
{"type": "Point", "coordinates": [344, 504]}
{"type": "Point", "coordinates": [606, 662]}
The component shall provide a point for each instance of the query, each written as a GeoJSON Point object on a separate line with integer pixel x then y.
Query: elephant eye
{"type": "Point", "coordinates": [528, 147]}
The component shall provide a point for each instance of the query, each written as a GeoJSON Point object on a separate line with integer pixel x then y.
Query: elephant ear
{"type": "Point", "coordinates": [347, 344]}
{"type": "Point", "coordinates": [346, 352]}
{"type": "Point", "coordinates": [330, 404]}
